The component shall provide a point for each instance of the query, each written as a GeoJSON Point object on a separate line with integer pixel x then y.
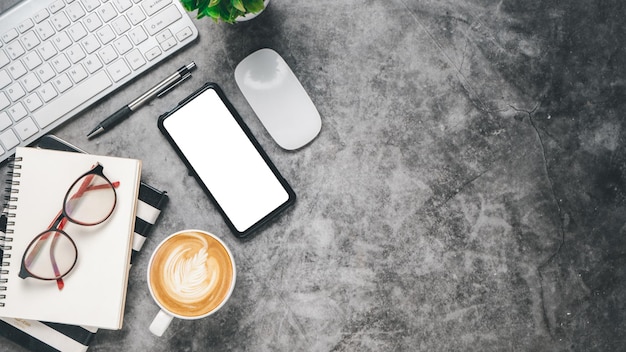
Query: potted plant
{"type": "Point", "coordinates": [229, 11]}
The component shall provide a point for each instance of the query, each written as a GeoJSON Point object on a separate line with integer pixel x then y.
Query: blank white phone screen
{"type": "Point", "coordinates": [225, 159]}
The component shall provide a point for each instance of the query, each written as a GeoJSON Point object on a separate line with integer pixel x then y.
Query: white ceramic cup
{"type": "Point", "coordinates": [191, 275]}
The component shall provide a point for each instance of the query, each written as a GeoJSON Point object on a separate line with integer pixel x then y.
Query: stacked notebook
{"type": "Point", "coordinates": [39, 335]}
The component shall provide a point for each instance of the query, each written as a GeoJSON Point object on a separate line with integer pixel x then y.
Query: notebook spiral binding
{"type": "Point", "coordinates": [7, 210]}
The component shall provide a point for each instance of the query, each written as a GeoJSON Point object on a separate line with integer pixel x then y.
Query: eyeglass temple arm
{"type": "Point", "coordinates": [55, 267]}
{"type": "Point", "coordinates": [84, 190]}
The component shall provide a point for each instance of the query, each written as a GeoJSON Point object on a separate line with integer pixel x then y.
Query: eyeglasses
{"type": "Point", "coordinates": [89, 201]}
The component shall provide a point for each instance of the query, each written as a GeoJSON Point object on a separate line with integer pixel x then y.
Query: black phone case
{"type": "Point", "coordinates": [267, 218]}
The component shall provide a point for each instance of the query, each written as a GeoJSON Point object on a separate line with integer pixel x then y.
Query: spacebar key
{"type": "Point", "coordinates": [72, 98]}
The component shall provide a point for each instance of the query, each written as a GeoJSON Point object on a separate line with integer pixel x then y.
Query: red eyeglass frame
{"type": "Point", "coordinates": [59, 222]}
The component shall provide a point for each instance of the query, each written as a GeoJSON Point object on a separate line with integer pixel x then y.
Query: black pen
{"type": "Point", "coordinates": [160, 89]}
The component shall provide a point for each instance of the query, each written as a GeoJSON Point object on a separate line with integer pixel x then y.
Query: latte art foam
{"type": "Point", "coordinates": [191, 274]}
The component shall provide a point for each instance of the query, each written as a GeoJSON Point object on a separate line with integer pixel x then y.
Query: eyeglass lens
{"type": "Point", "coordinates": [56, 248]}
{"type": "Point", "coordinates": [90, 200]}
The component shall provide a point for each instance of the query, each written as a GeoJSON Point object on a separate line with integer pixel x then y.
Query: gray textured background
{"type": "Point", "coordinates": [466, 192]}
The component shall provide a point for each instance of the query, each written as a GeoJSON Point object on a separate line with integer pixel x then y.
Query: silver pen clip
{"type": "Point", "coordinates": [166, 89]}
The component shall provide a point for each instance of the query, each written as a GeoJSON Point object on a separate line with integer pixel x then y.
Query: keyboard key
{"type": "Point", "coordinates": [72, 99]}
{"type": "Point", "coordinates": [30, 40]}
{"type": "Point", "coordinates": [152, 6]}
{"type": "Point", "coordinates": [107, 12]}
{"type": "Point", "coordinates": [122, 45]}
{"type": "Point", "coordinates": [184, 34]}
{"type": "Point", "coordinates": [90, 43]}
{"type": "Point", "coordinates": [41, 15]}
{"type": "Point", "coordinates": [75, 53]}
{"type": "Point", "coordinates": [162, 19]}
{"type": "Point", "coordinates": [62, 83]}
{"type": "Point", "coordinates": [45, 30]}
{"type": "Point", "coordinates": [77, 31]}
{"type": "Point", "coordinates": [47, 92]}
{"type": "Point", "coordinates": [26, 25]}
{"type": "Point", "coordinates": [32, 60]}
{"type": "Point", "coordinates": [17, 111]}
{"type": "Point", "coordinates": [135, 59]}
{"type": "Point", "coordinates": [4, 79]}
{"type": "Point", "coordinates": [92, 64]}
{"type": "Point", "coordinates": [9, 139]}
{"type": "Point", "coordinates": [153, 53]}
{"type": "Point", "coordinates": [135, 15]}
{"type": "Point", "coordinates": [168, 44]}
{"type": "Point", "coordinates": [118, 70]}
{"type": "Point", "coordinates": [56, 6]}
{"type": "Point", "coordinates": [107, 54]}
{"type": "Point", "coordinates": [16, 69]}
{"type": "Point", "coordinates": [33, 102]}
{"type": "Point", "coordinates": [120, 25]}
{"type": "Point", "coordinates": [4, 101]}
{"type": "Point", "coordinates": [60, 21]}
{"type": "Point", "coordinates": [163, 36]}
{"type": "Point", "coordinates": [75, 11]}
{"type": "Point", "coordinates": [5, 120]}
{"type": "Point", "coordinates": [15, 49]}
{"type": "Point", "coordinates": [30, 82]}
{"type": "Point", "coordinates": [9, 35]}
{"type": "Point", "coordinates": [105, 34]}
{"type": "Point", "coordinates": [45, 72]}
{"type": "Point", "coordinates": [137, 35]}
{"type": "Point", "coordinates": [15, 91]}
{"type": "Point", "coordinates": [26, 129]}
{"type": "Point", "coordinates": [92, 21]}
{"type": "Point", "coordinates": [77, 73]}
{"type": "Point", "coordinates": [47, 50]}
{"type": "Point", "coordinates": [60, 63]}
{"type": "Point", "coordinates": [62, 41]}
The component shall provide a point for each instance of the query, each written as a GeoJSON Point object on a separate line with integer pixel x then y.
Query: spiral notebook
{"type": "Point", "coordinates": [94, 292]}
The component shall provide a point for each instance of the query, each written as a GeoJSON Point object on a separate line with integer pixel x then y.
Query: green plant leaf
{"type": "Point", "coordinates": [226, 10]}
{"type": "Point", "coordinates": [234, 13]}
{"type": "Point", "coordinates": [213, 12]}
{"type": "Point", "coordinates": [238, 4]}
{"type": "Point", "coordinates": [253, 6]}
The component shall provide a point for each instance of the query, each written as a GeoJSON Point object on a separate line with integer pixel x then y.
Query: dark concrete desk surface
{"type": "Point", "coordinates": [466, 193]}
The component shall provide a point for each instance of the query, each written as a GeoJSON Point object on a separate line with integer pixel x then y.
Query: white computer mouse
{"type": "Point", "coordinates": [278, 99]}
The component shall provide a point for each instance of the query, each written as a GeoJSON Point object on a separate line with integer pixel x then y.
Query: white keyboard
{"type": "Point", "coordinates": [57, 57]}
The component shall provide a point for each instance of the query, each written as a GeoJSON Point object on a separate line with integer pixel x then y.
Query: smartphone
{"type": "Point", "coordinates": [227, 161]}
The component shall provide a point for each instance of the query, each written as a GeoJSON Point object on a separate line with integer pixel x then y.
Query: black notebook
{"type": "Point", "coordinates": [45, 336]}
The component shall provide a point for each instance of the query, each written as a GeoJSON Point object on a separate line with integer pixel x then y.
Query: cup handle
{"type": "Point", "coordinates": [160, 323]}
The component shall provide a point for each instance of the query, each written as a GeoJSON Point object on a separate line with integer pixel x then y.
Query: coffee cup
{"type": "Point", "coordinates": [191, 275]}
